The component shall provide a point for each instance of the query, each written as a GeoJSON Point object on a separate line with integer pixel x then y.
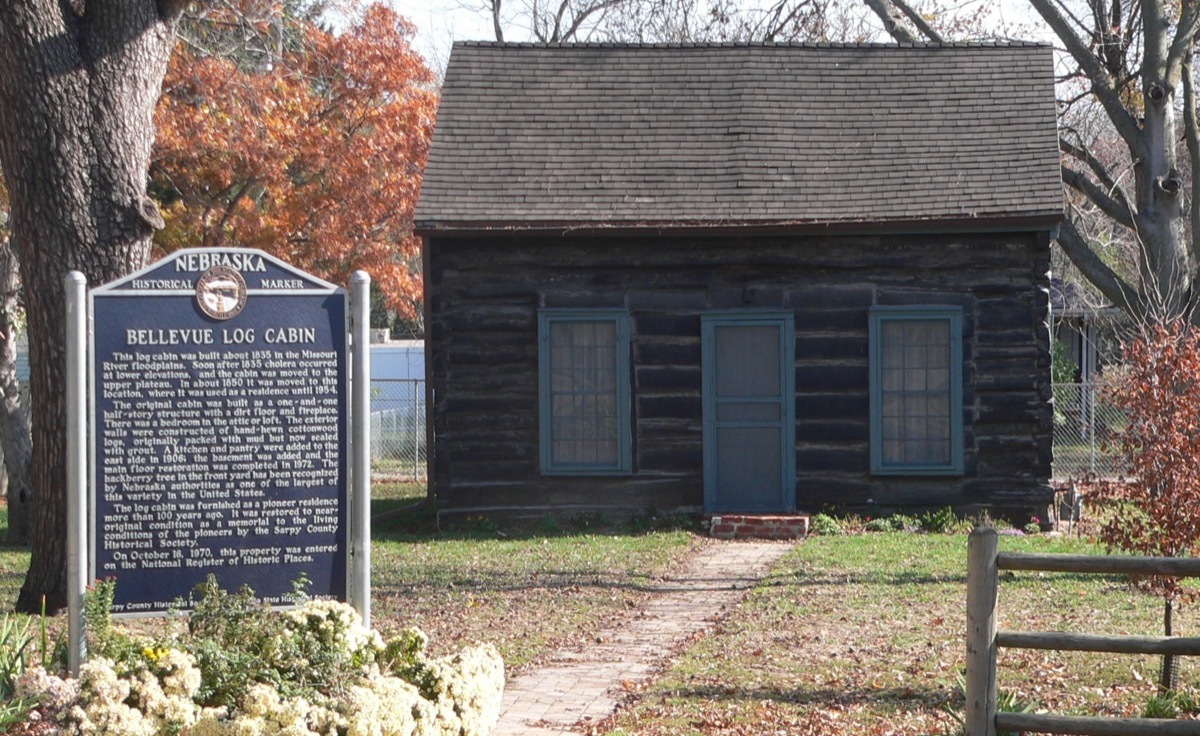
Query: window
{"type": "Point", "coordinates": [916, 390]}
{"type": "Point", "coordinates": [583, 384]}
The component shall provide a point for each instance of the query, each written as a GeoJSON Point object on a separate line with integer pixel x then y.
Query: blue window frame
{"type": "Point", "coordinates": [583, 392]}
{"type": "Point", "coordinates": [916, 390]}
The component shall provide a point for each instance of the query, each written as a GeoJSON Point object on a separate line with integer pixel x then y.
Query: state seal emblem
{"type": "Point", "coordinates": [221, 292]}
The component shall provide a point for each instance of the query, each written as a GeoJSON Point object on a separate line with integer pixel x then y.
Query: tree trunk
{"type": "Point", "coordinates": [77, 97]}
{"type": "Point", "coordinates": [1165, 274]}
{"type": "Point", "coordinates": [14, 422]}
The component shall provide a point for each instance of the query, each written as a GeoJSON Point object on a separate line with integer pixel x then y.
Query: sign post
{"type": "Point", "coordinates": [219, 420]}
{"type": "Point", "coordinates": [77, 572]}
{"type": "Point", "coordinates": [360, 551]}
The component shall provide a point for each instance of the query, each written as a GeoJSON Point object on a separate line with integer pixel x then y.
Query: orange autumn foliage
{"type": "Point", "coordinates": [313, 155]}
{"type": "Point", "coordinates": [1152, 509]}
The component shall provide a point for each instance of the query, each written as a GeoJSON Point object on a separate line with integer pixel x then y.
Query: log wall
{"type": "Point", "coordinates": [483, 293]}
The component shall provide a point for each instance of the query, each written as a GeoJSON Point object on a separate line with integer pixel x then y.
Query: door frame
{"type": "Point", "coordinates": [785, 321]}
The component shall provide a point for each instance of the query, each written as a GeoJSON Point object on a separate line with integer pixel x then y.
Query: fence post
{"type": "Point", "coordinates": [982, 583]}
{"type": "Point", "coordinates": [417, 438]}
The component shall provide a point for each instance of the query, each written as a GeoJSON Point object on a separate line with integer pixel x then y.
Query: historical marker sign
{"type": "Point", "coordinates": [219, 429]}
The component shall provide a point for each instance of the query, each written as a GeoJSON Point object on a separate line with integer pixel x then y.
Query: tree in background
{"type": "Point", "coordinates": [1153, 508]}
{"type": "Point", "coordinates": [1128, 99]}
{"type": "Point", "coordinates": [277, 133]}
{"type": "Point", "coordinates": [78, 85]}
{"type": "Point", "coordinates": [674, 21]}
{"type": "Point", "coordinates": [16, 448]}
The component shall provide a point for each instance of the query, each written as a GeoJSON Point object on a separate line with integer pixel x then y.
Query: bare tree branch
{"type": "Point", "coordinates": [1115, 288]}
{"type": "Point", "coordinates": [580, 17]}
{"type": "Point", "coordinates": [1081, 154]}
{"type": "Point", "coordinates": [1108, 205]}
{"type": "Point", "coordinates": [891, 22]}
{"type": "Point", "coordinates": [1154, 43]}
{"type": "Point", "coordinates": [1181, 46]}
{"type": "Point", "coordinates": [1191, 135]}
{"type": "Point", "coordinates": [1102, 81]}
{"type": "Point", "coordinates": [915, 18]}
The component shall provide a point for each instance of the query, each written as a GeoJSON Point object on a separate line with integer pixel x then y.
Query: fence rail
{"type": "Point", "coordinates": [1083, 421]}
{"type": "Point", "coordinates": [398, 428]}
{"type": "Point", "coordinates": [984, 562]}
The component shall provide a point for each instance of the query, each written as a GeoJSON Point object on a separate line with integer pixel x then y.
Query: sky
{"type": "Point", "coordinates": [441, 22]}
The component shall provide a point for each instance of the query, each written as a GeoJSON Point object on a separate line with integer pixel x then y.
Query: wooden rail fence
{"type": "Point", "coordinates": [984, 563]}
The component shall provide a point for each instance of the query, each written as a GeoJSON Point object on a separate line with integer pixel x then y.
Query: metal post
{"type": "Point", "coordinates": [416, 426]}
{"type": "Point", "coordinates": [982, 584]}
{"type": "Point", "coordinates": [75, 287]}
{"type": "Point", "coordinates": [360, 445]}
{"type": "Point", "coordinates": [1091, 410]}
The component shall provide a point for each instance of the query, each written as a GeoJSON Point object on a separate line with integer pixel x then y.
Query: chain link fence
{"type": "Point", "coordinates": [1082, 423]}
{"type": "Point", "coordinates": [398, 428]}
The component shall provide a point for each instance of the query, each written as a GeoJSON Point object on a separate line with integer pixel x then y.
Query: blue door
{"type": "Point", "coordinates": [749, 412]}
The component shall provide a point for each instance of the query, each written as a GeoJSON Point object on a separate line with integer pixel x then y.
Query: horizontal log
{"type": "Point", "coordinates": [813, 320]}
{"type": "Point", "coordinates": [646, 299]}
{"type": "Point", "coordinates": [1108, 564]}
{"type": "Point", "coordinates": [829, 379]}
{"type": "Point", "coordinates": [584, 298]}
{"type": "Point", "coordinates": [849, 296]}
{"type": "Point", "coordinates": [739, 296]}
{"type": "Point", "coordinates": [833, 458]}
{"type": "Point", "coordinates": [822, 346]}
{"type": "Point", "coordinates": [1093, 726]}
{"type": "Point", "coordinates": [669, 407]}
{"type": "Point", "coordinates": [678, 378]}
{"type": "Point", "coordinates": [849, 430]}
{"type": "Point", "coordinates": [924, 296]}
{"type": "Point", "coordinates": [667, 324]}
{"type": "Point", "coordinates": [1072, 642]}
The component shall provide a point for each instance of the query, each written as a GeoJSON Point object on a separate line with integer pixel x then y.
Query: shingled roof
{"type": "Point", "coordinates": [600, 135]}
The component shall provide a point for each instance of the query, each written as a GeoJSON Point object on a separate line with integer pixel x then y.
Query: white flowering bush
{"type": "Point", "coordinates": [243, 670]}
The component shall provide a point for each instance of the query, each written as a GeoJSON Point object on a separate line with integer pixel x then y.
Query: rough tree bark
{"type": "Point", "coordinates": [78, 84]}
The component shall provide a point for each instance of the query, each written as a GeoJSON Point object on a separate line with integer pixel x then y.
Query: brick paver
{"type": "Point", "coordinates": [577, 685]}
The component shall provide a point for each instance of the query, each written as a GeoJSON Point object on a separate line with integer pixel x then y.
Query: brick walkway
{"type": "Point", "coordinates": [577, 685]}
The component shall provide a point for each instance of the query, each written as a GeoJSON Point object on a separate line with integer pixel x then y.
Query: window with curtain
{"type": "Point", "coordinates": [583, 360]}
{"type": "Point", "coordinates": [916, 390]}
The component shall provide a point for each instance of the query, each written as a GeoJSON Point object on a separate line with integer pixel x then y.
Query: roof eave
{"type": "Point", "coordinates": [1030, 222]}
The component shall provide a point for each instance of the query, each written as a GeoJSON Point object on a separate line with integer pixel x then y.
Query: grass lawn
{"type": "Point", "coordinates": [864, 634]}
{"type": "Point", "coordinates": [526, 591]}
{"type": "Point", "coordinates": [854, 634]}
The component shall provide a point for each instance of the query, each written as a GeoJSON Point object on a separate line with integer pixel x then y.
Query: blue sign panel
{"type": "Point", "coordinates": [219, 384]}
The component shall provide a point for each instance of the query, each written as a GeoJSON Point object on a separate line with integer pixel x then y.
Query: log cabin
{"type": "Point", "coordinates": [759, 279]}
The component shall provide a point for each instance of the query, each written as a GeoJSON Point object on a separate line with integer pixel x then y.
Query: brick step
{"type": "Point", "coordinates": [758, 526]}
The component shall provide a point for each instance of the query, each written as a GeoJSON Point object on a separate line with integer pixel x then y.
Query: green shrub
{"type": "Point", "coordinates": [549, 526]}
{"type": "Point", "coordinates": [824, 525]}
{"type": "Point", "coordinates": [1006, 702]}
{"type": "Point", "coordinates": [939, 522]}
{"type": "Point", "coordinates": [16, 640]}
{"type": "Point", "coordinates": [103, 638]}
{"type": "Point", "coordinates": [1170, 704]}
{"type": "Point", "coordinates": [879, 525]}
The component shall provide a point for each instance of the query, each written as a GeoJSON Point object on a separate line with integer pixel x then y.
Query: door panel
{"type": "Point", "coordinates": [749, 450]}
